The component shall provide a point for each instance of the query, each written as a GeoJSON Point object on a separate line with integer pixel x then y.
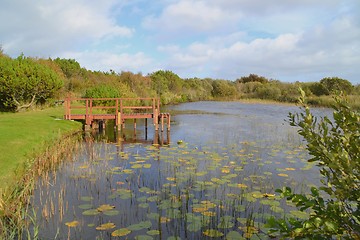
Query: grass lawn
{"type": "Point", "coordinates": [24, 134]}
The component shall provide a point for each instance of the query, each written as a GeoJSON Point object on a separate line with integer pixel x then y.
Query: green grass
{"type": "Point", "coordinates": [25, 135]}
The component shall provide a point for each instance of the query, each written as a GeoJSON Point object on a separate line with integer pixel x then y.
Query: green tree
{"type": "Point", "coordinates": [319, 89]}
{"type": "Point", "coordinates": [252, 78]}
{"type": "Point", "coordinates": [24, 82]}
{"type": "Point", "coordinates": [335, 206]}
{"type": "Point", "coordinates": [70, 67]}
{"type": "Point", "coordinates": [164, 81]}
{"type": "Point", "coordinates": [222, 88]}
{"type": "Point", "coordinates": [335, 84]}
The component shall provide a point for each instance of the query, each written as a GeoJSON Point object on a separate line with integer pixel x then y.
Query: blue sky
{"type": "Point", "coordinates": [288, 40]}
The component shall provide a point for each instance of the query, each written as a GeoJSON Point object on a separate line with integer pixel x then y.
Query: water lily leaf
{"type": "Point", "coordinates": [269, 195]}
{"type": "Point", "coordinates": [143, 205]}
{"type": "Point", "coordinates": [165, 219]}
{"type": "Point", "coordinates": [105, 207]}
{"type": "Point", "coordinates": [72, 224]}
{"type": "Point", "coordinates": [277, 209]}
{"type": "Point", "coordinates": [140, 225]}
{"type": "Point", "coordinates": [209, 213]}
{"type": "Point", "coordinates": [290, 169]}
{"type": "Point", "coordinates": [136, 166]}
{"type": "Point", "coordinates": [143, 237]}
{"type": "Point", "coordinates": [128, 171]}
{"type": "Point", "coordinates": [194, 226]}
{"type": "Point", "coordinates": [233, 235]}
{"type": "Point", "coordinates": [153, 232]}
{"type": "Point", "coordinates": [283, 175]}
{"type": "Point", "coordinates": [90, 212]}
{"type": "Point", "coordinates": [147, 165]}
{"type": "Point", "coordinates": [154, 216]}
{"type": "Point", "coordinates": [86, 198]}
{"type": "Point", "coordinates": [105, 226]}
{"type": "Point", "coordinates": [120, 232]}
{"type": "Point", "coordinates": [141, 199]}
{"type": "Point", "coordinates": [112, 213]}
{"type": "Point", "coordinates": [213, 233]}
{"type": "Point", "coordinates": [85, 206]}
{"type": "Point", "coordinates": [257, 194]}
{"type": "Point", "coordinates": [270, 202]}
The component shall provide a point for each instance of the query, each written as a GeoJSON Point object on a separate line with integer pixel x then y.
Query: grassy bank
{"type": "Point", "coordinates": [30, 143]}
{"type": "Point", "coordinates": [25, 135]}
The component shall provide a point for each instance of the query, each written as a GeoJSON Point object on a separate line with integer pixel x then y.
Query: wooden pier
{"type": "Point", "coordinates": [94, 110]}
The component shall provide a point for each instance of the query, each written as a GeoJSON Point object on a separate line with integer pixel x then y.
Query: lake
{"type": "Point", "coordinates": [213, 176]}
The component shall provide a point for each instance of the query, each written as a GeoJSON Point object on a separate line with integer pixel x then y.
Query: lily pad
{"type": "Point", "coordinates": [86, 198]}
{"type": "Point", "coordinates": [105, 207]}
{"type": "Point", "coordinates": [153, 232]}
{"type": "Point", "coordinates": [90, 212]}
{"type": "Point", "coordinates": [111, 212]}
{"type": "Point", "coordinates": [105, 226]}
{"type": "Point", "coordinates": [86, 206]}
{"type": "Point", "coordinates": [140, 225]}
{"type": "Point", "coordinates": [143, 237]}
{"type": "Point", "coordinates": [72, 224]}
{"type": "Point", "coordinates": [233, 235]}
{"type": "Point", "coordinates": [120, 232]}
{"type": "Point", "coordinates": [213, 233]}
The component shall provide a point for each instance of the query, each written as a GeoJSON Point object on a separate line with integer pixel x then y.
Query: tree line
{"type": "Point", "coordinates": [26, 82]}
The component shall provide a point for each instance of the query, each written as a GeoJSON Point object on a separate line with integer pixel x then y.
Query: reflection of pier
{"type": "Point", "coordinates": [96, 111]}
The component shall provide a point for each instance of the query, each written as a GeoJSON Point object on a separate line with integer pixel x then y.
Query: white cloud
{"type": "Point", "coordinates": [104, 61]}
{"type": "Point", "coordinates": [49, 27]}
{"type": "Point", "coordinates": [190, 16]}
{"type": "Point", "coordinates": [331, 49]}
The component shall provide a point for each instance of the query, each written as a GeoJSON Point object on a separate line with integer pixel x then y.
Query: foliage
{"type": "Point", "coordinates": [164, 81]}
{"type": "Point", "coordinates": [268, 91]}
{"type": "Point", "coordinates": [252, 78]}
{"type": "Point", "coordinates": [70, 67]}
{"type": "Point", "coordinates": [222, 88]}
{"type": "Point", "coordinates": [335, 206]}
{"type": "Point", "coordinates": [23, 82]}
{"type": "Point", "coordinates": [335, 84]}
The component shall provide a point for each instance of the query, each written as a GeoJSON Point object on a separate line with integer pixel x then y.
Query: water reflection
{"type": "Point", "coordinates": [218, 181]}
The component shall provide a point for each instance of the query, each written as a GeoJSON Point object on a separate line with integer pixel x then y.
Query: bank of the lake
{"type": "Point", "coordinates": [29, 142]}
{"type": "Point", "coordinates": [25, 135]}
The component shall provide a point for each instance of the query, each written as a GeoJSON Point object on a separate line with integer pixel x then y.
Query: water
{"type": "Point", "coordinates": [213, 176]}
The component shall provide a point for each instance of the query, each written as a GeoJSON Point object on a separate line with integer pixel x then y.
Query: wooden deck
{"type": "Point", "coordinates": [118, 109]}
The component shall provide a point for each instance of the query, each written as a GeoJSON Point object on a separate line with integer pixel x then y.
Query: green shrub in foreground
{"type": "Point", "coordinates": [335, 206]}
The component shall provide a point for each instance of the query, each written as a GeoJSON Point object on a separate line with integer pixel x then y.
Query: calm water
{"type": "Point", "coordinates": [213, 176]}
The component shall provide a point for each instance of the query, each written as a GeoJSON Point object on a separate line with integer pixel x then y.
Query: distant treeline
{"type": "Point", "coordinates": [27, 82]}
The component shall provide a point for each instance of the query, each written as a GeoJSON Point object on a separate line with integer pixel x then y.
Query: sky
{"type": "Point", "coordinates": [286, 40]}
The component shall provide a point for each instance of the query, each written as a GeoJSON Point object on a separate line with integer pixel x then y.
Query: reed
{"type": "Point", "coordinates": [16, 214]}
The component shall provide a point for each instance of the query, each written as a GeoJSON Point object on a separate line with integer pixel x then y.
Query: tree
{"type": "Point", "coordinates": [335, 206]}
{"type": "Point", "coordinates": [70, 67]}
{"type": "Point", "coordinates": [23, 82]}
{"type": "Point", "coordinates": [335, 84]}
{"type": "Point", "coordinates": [252, 78]}
{"type": "Point", "coordinates": [163, 81]}
{"type": "Point", "coordinates": [223, 88]}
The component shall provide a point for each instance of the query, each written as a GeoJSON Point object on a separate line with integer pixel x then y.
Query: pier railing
{"type": "Point", "coordinates": [118, 109]}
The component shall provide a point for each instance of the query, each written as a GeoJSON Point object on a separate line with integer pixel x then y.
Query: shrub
{"type": "Point", "coordinates": [335, 206]}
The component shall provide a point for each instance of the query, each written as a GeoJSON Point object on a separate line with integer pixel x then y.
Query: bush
{"type": "Point", "coordinates": [24, 82]}
{"type": "Point", "coordinates": [335, 206]}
